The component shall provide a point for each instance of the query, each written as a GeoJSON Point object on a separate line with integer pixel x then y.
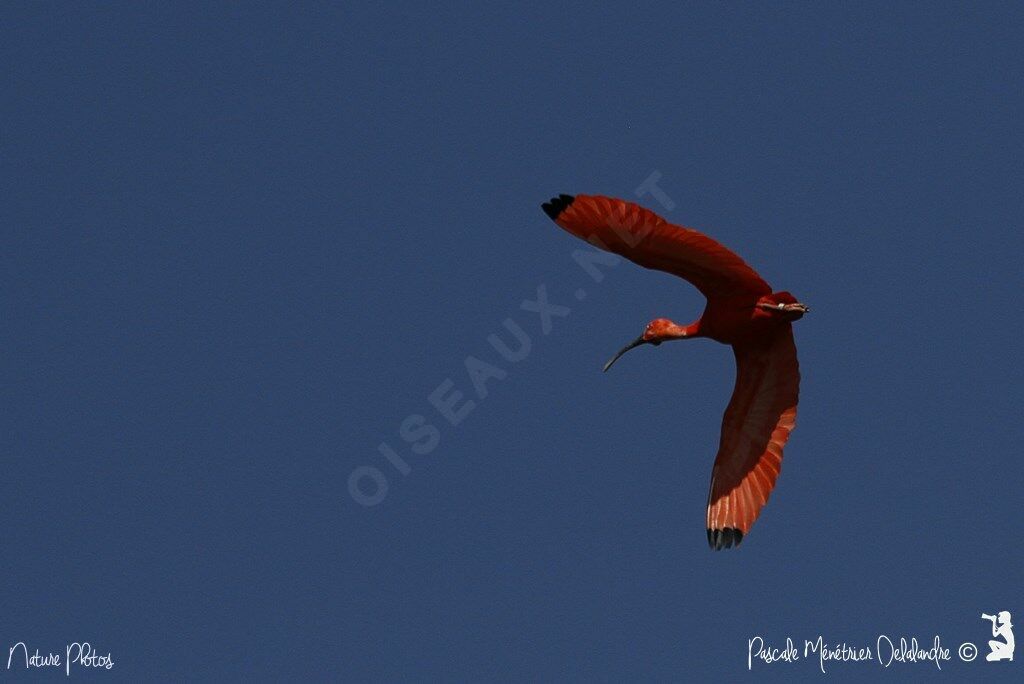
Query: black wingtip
{"type": "Point", "coordinates": [724, 538]}
{"type": "Point", "coordinates": [557, 205]}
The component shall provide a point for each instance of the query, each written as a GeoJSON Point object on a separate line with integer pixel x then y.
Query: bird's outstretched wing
{"type": "Point", "coordinates": [757, 423]}
{"type": "Point", "coordinates": [645, 238]}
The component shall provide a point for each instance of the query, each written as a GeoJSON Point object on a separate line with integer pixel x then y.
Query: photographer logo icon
{"type": "Point", "coordinates": [1001, 627]}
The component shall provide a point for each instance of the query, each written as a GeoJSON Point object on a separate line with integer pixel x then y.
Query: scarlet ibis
{"type": "Point", "coordinates": [741, 311]}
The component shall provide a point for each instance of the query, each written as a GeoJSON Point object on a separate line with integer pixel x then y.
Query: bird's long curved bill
{"type": "Point", "coordinates": [632, 345]}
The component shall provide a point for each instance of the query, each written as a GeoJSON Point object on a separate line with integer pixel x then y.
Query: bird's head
{"type": "Point", "coordinates": [657, 331]}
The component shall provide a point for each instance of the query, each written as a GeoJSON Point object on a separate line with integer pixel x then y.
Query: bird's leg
{"type": "Point", "coordinates": [792, 311]}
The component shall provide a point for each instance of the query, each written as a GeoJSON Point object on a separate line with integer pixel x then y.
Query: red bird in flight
{"type": "Point", "coordinates": [743, 312]}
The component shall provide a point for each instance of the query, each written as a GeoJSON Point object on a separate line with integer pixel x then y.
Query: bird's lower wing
{"type": "Point", "coordinates": [646, 239]}
{"type": "Point", "coordinates": [757, 423]}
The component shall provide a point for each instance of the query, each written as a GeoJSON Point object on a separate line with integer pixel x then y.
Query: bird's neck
{"type": "Point", "coordinates": [680, 332]}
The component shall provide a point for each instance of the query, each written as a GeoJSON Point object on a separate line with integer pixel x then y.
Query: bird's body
{"type": "Point", "coordinates": [743, 312]}
{"type": "Point", "coordinates": [732, 321]}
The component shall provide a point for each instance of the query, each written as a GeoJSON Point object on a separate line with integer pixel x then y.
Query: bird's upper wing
{"type": "Point", "coordinates": [645, 238]}
{"type": "Point", "coordinates": [757, 423]}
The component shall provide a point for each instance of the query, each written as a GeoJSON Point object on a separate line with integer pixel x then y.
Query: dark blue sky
{"type": "Point", "coordinates": [242, 246]}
